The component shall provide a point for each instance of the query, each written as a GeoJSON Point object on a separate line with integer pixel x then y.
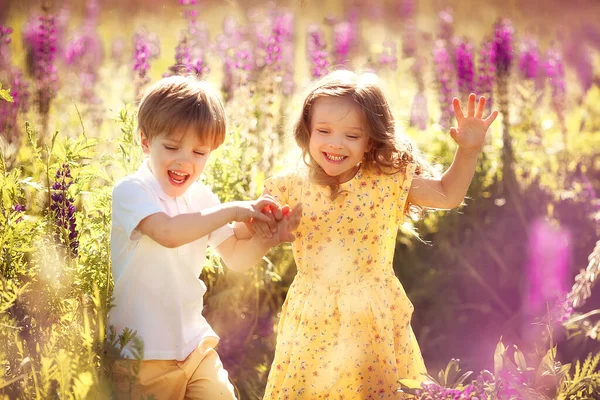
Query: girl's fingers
{"type": "Point", "coordinates": [471, 106]}
{"type": "Point", "coordinates": [488, 121]}
{"type": "Point", "coordinates": [453, 133]}
{"type": "Point", "coordinates": [458, 112]}
{"type": "Point", "coordinates": [259, 227]}
{"type": "Point", "coordinates": [480, 107]}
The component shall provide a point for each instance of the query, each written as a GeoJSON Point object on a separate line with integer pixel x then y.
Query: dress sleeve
{"type": "Point", "coordinates": [279, 187]}
{"type": "Point", "coordinates": [404, 180]}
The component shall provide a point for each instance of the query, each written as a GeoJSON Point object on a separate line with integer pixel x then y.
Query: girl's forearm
{"type": "Point", "coordinates": [242, 254]}
{"type": "Point", "coordinates": [457, 179]}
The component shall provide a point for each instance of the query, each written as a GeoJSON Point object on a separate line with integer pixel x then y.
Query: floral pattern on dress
{"type": "Point", "coordinates": [345, 330]}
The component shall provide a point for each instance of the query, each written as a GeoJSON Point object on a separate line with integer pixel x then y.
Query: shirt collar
{"type": "Point", "coordinates": [147, 175]}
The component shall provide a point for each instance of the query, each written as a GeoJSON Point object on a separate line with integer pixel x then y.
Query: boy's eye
{"type": "Point", "coordinates": [170, 148]}
{"type": "Point", "coordinates": [322, 131]}
{"type": "Point", "coordinates": [352, 137]}
{"type": "Point", "coordinates": [200, 153]}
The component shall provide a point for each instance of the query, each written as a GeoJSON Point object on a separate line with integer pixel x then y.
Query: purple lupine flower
{"type": "Point", "coordinates": [117, 50]}
{"type": "Point", "coordinates": [389, 56]}
{"type": "Point", "coordinates": [486, 71]}
{"type": "Point", "coordinates": [278, 42]}
{"type": "Point", "coordinates": [464, 68]}
{"type": "Point", "coordinates": [547, 269]}
{"type": "Point", "coordinates": [556, 76]}
{"type": "Point", "coordinates": [446, 18]}
{"type": "Point", "coordinates": [418, 111]}
{"type": "Point", "coordinates": [18, 208]}
{"type": "Point", "coordinates": [5, 40]}
{"type": "Point", "coordinates": [317, 51]}
{"type": "Point", "coordinates": [432, 391]}
{"type": "Point", "coordinates": [342, 41]}
{"type": "Point", "coordinates": [529, 59]}
{"type": "Point", "coordinates": [409, 38]}
{"type": "Point", "coordinates": [578, 55]}
{"type": "Point", "coordinates": [502, 47]}
{"type": "Point", "coordinates": [236, 53]}
{"type": "Point", "coordinates": [283, 27]}
{"type": "Point", "coordinates": [146, 48]}
{"type": "Point", "coordinates": [85, 53]}
{"type": "Point", "coordinates": [41, 42]}
{"type": "Point", "coordinates": [188, 11]}
{"type": "Point", "coordinates": [407, 9]}
{"type": "Point", "coordinates": [444, 72]}
{"type": "Point", "coordinates": [185, 61]}
{"type": "Point", "coordinates": [63, 209]}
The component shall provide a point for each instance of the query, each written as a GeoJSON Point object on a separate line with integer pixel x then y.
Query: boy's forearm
{"type": "Point", "coordinates": [243, 254]}
{"type": "Point", "coordinates": [185, 228]}
{"type": "Point", "coordinates": [457, 179]}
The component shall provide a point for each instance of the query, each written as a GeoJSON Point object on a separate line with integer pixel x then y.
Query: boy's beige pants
{"type": "Point", "coordinates": [200, 376]}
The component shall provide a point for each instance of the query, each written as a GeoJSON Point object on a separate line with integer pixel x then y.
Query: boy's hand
{"type": "Point", "coordinates": [246, 210]}
{"type": "Point", "coordinates": [470, 134]}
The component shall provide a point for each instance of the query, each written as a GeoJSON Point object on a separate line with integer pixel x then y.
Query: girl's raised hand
{"type": "Point", "coordinates": [470, 134]}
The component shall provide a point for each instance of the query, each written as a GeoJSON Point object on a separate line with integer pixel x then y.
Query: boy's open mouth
{"type": "Point", "coordinates": [177, 178]}
{"type": "Point", "coordinates": [334, 158]}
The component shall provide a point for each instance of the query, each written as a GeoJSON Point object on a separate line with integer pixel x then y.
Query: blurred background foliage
{"type": "Point", "coordinates": [513, 263]}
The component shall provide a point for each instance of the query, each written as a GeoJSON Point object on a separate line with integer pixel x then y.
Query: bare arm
{"type": "Point", "coordinates": [241, 254]}
{"type": "Point", "coordinates": [185, 228]}
{"type": "Point", "coordinates": [450, 190]}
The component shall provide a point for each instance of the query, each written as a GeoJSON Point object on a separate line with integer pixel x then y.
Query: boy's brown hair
{"type": "Point", "coordinates": [180, 102]}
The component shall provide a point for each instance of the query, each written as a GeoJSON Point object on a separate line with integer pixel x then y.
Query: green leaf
{"type": "Point", "coordinates": [499, 357]}
{"type": "Point", "coordinates": [410, 383]}
{"type": "Point", "coordinates": [520, 359]}
{"type": "Point", "coordinates": [5, 95]}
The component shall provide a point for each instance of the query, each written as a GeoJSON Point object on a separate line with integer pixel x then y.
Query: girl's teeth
{"type": "Point", "coordinates": [334, 158]}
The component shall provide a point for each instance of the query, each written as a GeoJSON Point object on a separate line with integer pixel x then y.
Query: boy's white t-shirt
{"type": "Point", "coordinates": [157, 290]}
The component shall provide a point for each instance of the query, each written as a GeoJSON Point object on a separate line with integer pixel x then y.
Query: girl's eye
{"type": "Point", "coordinates": [352, 137]}
{"type": "Point", "coordinates": [170, 148]}
{"type": "Point", "coordinates": [200, 153]}
{"type": "Point", "coordinates": [322, 131]}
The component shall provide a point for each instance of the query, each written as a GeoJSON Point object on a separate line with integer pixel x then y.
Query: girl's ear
{"type": "Point", "coordinates": [145, 143]}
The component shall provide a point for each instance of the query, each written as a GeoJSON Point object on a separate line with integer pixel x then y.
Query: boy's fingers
{"type": "Point", "coordinates": [262, 217]}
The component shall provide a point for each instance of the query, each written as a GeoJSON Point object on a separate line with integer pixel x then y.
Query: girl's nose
{"type": "Point", "coordinates": [335, 144]}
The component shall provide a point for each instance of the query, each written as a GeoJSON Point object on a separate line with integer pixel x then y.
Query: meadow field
{"type": "Point", "coordinates": [502, 286]}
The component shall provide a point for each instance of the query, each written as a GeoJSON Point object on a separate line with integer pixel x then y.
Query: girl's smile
{"type": "Point", "coordinates": [338, 141]}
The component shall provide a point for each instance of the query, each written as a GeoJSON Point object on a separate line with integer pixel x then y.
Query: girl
{"type": "Point", "coordinates": [345, 328]}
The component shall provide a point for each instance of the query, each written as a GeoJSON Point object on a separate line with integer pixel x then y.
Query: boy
{"type": "Point", "coordinates": [162, 221]}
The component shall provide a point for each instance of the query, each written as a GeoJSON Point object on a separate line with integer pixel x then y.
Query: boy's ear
{"type": "Point", "coordinates": [145, 143]}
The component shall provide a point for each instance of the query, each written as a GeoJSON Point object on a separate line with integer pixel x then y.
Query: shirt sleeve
{"type": "Point", "coordinates": [131, 203]}
{"type": "Point", "coordinates": [404, 180]}
{"type": "Point", "coordinates": [219, 235]}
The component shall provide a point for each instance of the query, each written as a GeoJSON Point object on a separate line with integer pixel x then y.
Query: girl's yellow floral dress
{"type": "Point", "coordinates": [345, 327]}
